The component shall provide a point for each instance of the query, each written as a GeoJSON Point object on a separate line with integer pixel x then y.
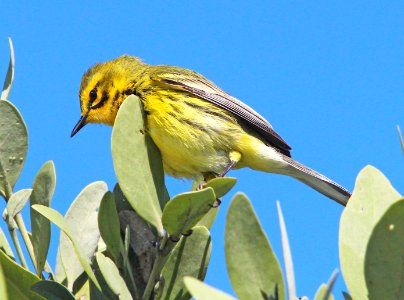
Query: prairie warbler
{"type": "Point", "coordinates": [199, 128]}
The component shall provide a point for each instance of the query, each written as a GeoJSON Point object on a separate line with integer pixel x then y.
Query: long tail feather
{"type": "Point", "coordinates": [317, 181]}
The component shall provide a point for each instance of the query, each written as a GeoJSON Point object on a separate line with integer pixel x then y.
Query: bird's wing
{"type": "Point", "coordinates": [199, 86]}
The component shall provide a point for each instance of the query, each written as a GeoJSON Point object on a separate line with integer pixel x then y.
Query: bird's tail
{"type": "Point", "coordinates": [317, 181]}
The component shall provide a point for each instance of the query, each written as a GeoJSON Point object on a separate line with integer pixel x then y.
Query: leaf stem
{"type": "Point", "coordinates": [127, 270]}
{"type": "Point", "coordinates": [24, 233]}
{"type": "Point", "coordinates": [166, 245]}
{"type": "Point", "coordinates": [10, 224]}
{"type": "Point", "coordinates": [17, 246]}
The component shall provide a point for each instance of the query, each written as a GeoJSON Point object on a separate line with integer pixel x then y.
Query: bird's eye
{"type": "Point", "coordinates": [93, 95]}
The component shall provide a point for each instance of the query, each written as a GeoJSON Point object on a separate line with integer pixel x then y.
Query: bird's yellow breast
{"type": "Point", "coordinates": [193, 135]}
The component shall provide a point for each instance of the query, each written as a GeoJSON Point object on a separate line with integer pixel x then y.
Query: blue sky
{"type": "Point", "coordinates": [327, 75]}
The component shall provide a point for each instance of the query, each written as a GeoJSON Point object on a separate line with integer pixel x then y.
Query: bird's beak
{"type": "Point", "coordinates": [80, 124]}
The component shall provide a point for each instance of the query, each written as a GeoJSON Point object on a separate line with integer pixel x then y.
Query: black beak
{"type": "Point", "coordinates": [80, 124]}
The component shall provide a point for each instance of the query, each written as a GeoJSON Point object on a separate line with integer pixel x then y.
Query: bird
{"type": "Point", "coordinates": [200, 130]}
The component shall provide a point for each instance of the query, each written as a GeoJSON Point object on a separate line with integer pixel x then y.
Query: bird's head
{"type": "Point", "coordinates": [103, 89]}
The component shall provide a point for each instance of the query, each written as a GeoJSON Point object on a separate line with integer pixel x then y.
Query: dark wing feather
{"type": "Point", "coordinates": [198, 85]}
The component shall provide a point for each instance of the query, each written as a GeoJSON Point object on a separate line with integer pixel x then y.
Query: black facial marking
{"type": "Point", "coordinates": [104, 99]}
{"type": "Point", "coordinates": [116, 97]}
{"type": "Point", "coordinates": [128, 92]}
{"type": "Point", "coordinates": [93, 97]}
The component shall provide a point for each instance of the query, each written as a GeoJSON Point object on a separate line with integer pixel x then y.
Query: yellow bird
{"type": "Point", "coordinates": [200, 129]}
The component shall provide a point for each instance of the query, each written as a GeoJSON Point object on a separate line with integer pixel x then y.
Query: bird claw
{"type": "Point", "coordinates": [188, 233]}
{"type": "Point", "coordinates": [172, 239]}
{"type": "Point", "coordinates": [216, 204]}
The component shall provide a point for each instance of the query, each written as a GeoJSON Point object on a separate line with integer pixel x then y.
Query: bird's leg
{"type": "Point", "coordinates": [235, 157]}
{"type": "Point", "coordinates": [228, 168]}
{"type": "Point", "coordinates": [206, 177]}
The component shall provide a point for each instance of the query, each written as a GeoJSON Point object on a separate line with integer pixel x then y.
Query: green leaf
{"type": "Point", "coordinates": [384, 269]}
{"type": "Point", "coordinates": [400, 136]}
{"type": "Point", "coordinates": [108, 223]}
{"type": "Point", "coordinates": [346, 296]}
{"type": "Point", "coordinates": [324, 291]}
{"type": "Point", "coordinates": [82, 221]}
{"type": "Point", "coordinates": [18, 280]}
{"type": "Point", "coordinates": [185, 210]}
{"type": "Point", "coordinates": [3, 287]}
{"type": "Point", "coordinates": [253, 268]}
{"type": "Point", "coordinates": [221, 185]}
{"type": "Point", "coordinates": [4, 245]}
{"type": "Point", "coordinates": [190, 257]}
{"type": "Point", "coordinates": [202, 291]}
{"type": "Point", "coordinates": [120, 200]}
{"type": "Point", "coordinates": [84, 291]}
{"type": "Point", "coordinates": [321, 293]}
{"type": "Point", "coordinates": [55, 217]}
{"type": "Point", "coordinates": [112, 277]}
{"type": "Point", "coordinates": [287, 255]}
{"type": "Point", "coordinates": [8, 82]}
{"type": "Point", "coordinates": [13, 146]}
{"type": "Point", "coordinates": [17, 202]}
{"type": "Point", "coordinates": [372, 196]}
{"type": "Point", "coordinates": [60, 273]}
{"type": "Point", "coordinates": [42, 193]}
{"type": "Point", "coordinates": [52, 290]}
{"type": "Point", "coordinates": [208, 219]}
{"type": "Point", "coordinates": [137, 163]}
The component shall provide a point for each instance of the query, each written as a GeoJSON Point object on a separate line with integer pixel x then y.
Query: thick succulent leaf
{"type": "Point", "coordinates": [221, 185]}
{"type": "Point", "coordinates": [108, 224]}
{"type": "Point", "coordinates": [42, 193]}
{"type": "Point", "coordinates": [324, 291]}
{"type": "Point", "coordinates": [13, 146]}
{"type": "Point", "coordinates": [202, 291]}
{"type": "Point", "coordinates": [253, 268]}
{"type": "Point", "coordinates": [8, 82]}
{"type": "Point", "coordinates": [384, 269]}
{"type": "Point", "coordinates": [112, 277]}
{"type": "Point", "coordinates": [120, 200]}
{"type": "Point", "coordinates": [52, 290]}
{"type": "Point", "coordinates": [82, 221]}
{"type": "Point", "coordinates": [17, 202]}
{"type": "Point", "coordinates": [321, 293]}
{"type": "Point", "coordinates": [287, 256]}
{"type": "Point", "coordinates": [55, 217]}
{"type": "Point", "coordinates": [18, 280]}
{"type": "Point", "coordinates": [208, 219]}
{"type": "Point", "coordinates": [190, 257]}
{"type": "Point", "coordinates": [372, 196]}
{"type": "Point", "coordinates": [137, 163]}
{"type": "Point", "coordinates": [185, 210]}
{"type": "Point", "coordinates": [60, 274]}
{"type": "Point", "coordinates": [3, 286]}
{"type": "Point", "coordinates": [4, 245]}
{"type": "Point", "coordinates": [83, 293]}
